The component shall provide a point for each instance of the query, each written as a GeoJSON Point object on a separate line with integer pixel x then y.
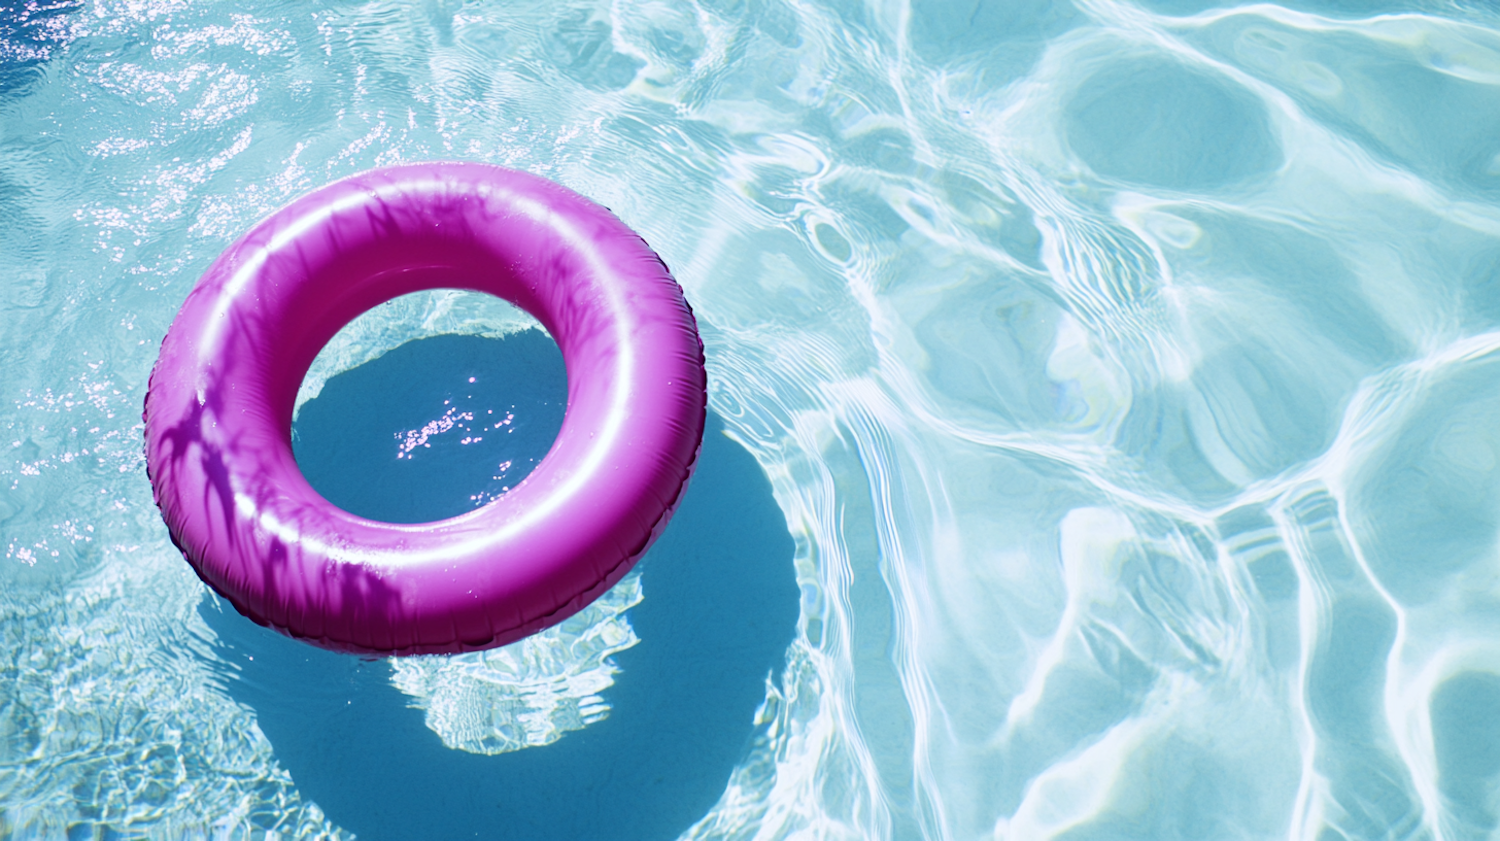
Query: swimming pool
{"type": "Point", "coordinates": [1104, 441]}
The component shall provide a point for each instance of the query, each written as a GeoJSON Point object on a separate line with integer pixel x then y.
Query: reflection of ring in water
{"type": "Point", "coordinates": [219, 409]}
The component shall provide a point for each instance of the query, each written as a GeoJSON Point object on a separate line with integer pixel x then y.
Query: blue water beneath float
{"type": "Point", "coordinates": [1103, 444]}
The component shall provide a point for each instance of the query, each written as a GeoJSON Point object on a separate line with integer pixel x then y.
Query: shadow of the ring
{"type": "Point", "coordinates": [720, 608]}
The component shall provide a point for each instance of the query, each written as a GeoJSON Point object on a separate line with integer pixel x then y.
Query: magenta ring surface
{"type": "Point", "coordinates": [219, 410]}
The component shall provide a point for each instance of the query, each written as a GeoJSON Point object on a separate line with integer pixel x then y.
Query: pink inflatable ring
{"type": "Point", "coordinates": [219, 412]}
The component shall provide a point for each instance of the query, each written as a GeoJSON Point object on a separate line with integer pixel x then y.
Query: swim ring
{"type": "Point", "coordinates": [219, 407]}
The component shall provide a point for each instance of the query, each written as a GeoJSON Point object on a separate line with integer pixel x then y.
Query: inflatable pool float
{"type": "Point", "coordinates": [219, 407]}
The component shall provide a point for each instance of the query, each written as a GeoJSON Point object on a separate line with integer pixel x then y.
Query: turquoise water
{"type": "Point", "coordinates": [1104, 416]}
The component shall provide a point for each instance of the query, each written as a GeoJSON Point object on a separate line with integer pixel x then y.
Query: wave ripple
{"type": "Point", "coordinates": [1123, 370]}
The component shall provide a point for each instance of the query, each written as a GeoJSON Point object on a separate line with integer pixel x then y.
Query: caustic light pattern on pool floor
{"type": "Point", "coordinates": [1102, 397]}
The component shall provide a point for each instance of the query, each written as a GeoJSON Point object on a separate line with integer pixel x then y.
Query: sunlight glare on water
{"type": "Point", "coordinates": [1125, 373]}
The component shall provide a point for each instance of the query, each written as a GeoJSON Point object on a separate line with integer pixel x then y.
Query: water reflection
{"type": "Point", "coordinates": [435, 427]}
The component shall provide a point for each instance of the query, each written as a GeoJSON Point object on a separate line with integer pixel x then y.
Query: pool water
{"type": "Point", "coordinates": [1103, 441]}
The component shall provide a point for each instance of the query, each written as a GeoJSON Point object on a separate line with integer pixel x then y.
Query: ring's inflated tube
{"type": "Point", "coordinates": [219, 411]}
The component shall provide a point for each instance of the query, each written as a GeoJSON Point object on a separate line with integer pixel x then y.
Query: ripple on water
{"type": "Point", "coordinates": [1120, 369]}
{"type": "Point", "coordinates": [1161, 123]}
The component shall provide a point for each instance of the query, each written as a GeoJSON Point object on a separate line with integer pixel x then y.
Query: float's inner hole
{"type": "Point", "coordinates": [429, 406]}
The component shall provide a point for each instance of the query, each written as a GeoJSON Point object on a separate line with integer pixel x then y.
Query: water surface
{"type": "Point", "coordinates": [1121, 376]}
